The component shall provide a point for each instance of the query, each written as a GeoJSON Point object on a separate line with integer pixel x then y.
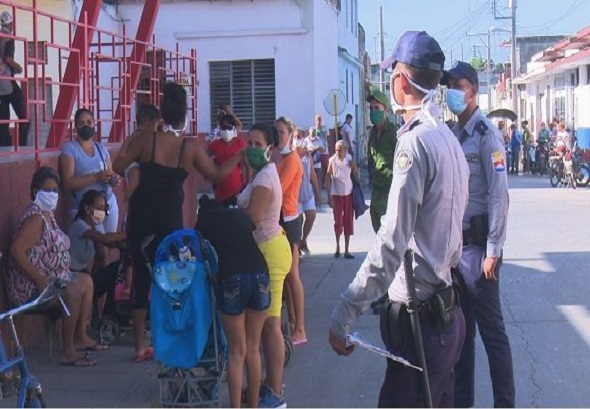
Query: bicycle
{"type": "Point", "coordinates": [30, 394]}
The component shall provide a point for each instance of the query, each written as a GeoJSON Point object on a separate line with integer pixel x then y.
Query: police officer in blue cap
{"type": "Point", "coordinates": [484, 233]}
{"type": "Point", "coordinates": [425, 207]}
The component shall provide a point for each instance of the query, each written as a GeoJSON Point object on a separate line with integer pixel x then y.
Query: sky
{"type": "Point", "coordinates": [449, 24]}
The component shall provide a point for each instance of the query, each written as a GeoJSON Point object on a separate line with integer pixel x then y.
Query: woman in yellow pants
{"type": "Point", "coordinates": [262, 200]}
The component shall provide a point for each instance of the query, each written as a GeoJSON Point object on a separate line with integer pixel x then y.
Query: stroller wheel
{"type": "Point", "coordinates": [109, 332]}
{"type": "Point", "coordinates": [288, 349]}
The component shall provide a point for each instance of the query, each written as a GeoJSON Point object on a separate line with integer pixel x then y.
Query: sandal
{"type": "Point", "coordinates": [337, 254]}
{"type": "Point", "coordinates": [348, 256]}
{"type": "Point", "coordinates": [82, 362]}
{"type": "Point", "coordinates": [147, 355]}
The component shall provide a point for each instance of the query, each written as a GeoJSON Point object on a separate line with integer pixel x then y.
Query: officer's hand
{"type": "Point", "coordinates": [489, 268]}
{"type": "Point", "coordinates": [338, 346]}
{"type": "Point", "coordinates": [17, 68]}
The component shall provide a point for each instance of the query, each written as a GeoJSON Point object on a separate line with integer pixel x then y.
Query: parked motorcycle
{"type": "Point", "coordinates": [568, 169]}
{"type": "Point", "coordinates": [541, 159]}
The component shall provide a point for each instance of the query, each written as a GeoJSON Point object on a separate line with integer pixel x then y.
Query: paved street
{"type": "Point", "coordinates": [544, 291]}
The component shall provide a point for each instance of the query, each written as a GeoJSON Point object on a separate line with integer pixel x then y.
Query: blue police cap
{"type": "Point", "coordinates": [416, 49]}
{"type": "Point", "coordinates": [461, 70]}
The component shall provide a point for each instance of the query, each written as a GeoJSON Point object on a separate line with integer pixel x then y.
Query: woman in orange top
{"type": "Point", "coordinates": [291, 175]}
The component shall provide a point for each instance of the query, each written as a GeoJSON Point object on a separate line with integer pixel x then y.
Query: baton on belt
{"type": "Point", "coordinates": [416, 330]}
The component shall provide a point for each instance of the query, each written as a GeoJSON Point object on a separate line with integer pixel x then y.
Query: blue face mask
{"type": "Point", "coordinates": [456, 101]}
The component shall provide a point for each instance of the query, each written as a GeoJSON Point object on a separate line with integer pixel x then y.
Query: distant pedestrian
{"type": "Point", "coordinates": [349, 135]}
{"type": "Point", "coordinates": [316, 146]}
{"type": "Point", "coordinates": [515, 146]}
{"type": "Point", "coordinates": [309, 193]}
{"type": "Point", "coordinates": [11, 93]}
{"type": "Point", "coordinates": [339, 184]}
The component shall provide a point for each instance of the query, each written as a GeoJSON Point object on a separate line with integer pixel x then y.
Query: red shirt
{"type": "Point", "coordinates": [222, 152]}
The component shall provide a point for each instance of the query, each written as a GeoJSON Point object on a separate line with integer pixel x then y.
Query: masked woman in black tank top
{"type": "Point", "coordinates": [165, 160]}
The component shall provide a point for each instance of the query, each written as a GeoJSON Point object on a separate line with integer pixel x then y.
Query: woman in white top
{"type": "Point", "coordinates": [339, 184]}
{"type": "Point", "coordinates": [261, 199]}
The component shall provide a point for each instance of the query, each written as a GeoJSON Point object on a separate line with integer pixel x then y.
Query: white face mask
{"type": "Point", "coordinates": [98, 216]}
{"type": "Point", "coordinates": [424, 105]}
{"type": "Point", "coordinates": [46, 201]}
{"type": "Point", "coordinates": [286, 149]}
{"type": "Point", "coordinates": [228, 135]}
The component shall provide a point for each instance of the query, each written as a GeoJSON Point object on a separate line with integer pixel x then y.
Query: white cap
{"type": "Point", "coordinates": [5, 18]}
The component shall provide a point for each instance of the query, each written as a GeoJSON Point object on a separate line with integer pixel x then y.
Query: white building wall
{"type": "Point", "coordinates": [299, 35]}
{"type": "Point", "coordinates": [325, 58]}
{"type": "Point", "coordinates": [349, 69]}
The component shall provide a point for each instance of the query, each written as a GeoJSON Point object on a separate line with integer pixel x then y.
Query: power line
{"type": "Point", "coordinates": [462, 27]}
{"type": "Point", "coordinates": [454, 25]}
{"type": "Point", "coordinates": [576, 4]}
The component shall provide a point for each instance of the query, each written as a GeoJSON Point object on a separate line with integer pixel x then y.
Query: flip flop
{"type": "Point", "coordinates": [81, 362]}
{"type": "Point", "coordinates": [348, 256]}
{"type": "Point", "coordinates": [147, 355]}
{"type": "Point", "coordinates": [301, 341]}
{"type": "Point", "coordinates": [98, 347]}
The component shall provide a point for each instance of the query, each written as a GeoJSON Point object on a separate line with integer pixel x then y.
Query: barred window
{"type": "Point", "coordinates": [248, 86]}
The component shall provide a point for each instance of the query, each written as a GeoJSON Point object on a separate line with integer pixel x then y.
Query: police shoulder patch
{"type": "Point", "coordinates": [498, 161]}
{"type": "Point", "coordinates": [403, 162]}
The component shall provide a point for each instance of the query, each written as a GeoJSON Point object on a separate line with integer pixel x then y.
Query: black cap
{"type": "Point", "coordinates": [460, 70]}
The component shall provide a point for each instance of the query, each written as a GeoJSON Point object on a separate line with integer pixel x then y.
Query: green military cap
{"type": "Point", "coordinates": [380, 97]}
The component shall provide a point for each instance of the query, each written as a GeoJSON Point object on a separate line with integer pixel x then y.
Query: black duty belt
{"type": "Point", "coordinates": [468, 238]}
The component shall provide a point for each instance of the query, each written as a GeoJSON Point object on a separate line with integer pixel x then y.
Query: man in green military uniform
{"type": "Point", "coordinates": [382, 142]}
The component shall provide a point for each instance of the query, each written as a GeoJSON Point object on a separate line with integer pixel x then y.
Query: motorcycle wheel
{"type": "Point", "coordinates": [573, 182]}
{"type": "Point", "coordinates": [582, 175]}
{"type": "Point", "coordinates": [553, 178]}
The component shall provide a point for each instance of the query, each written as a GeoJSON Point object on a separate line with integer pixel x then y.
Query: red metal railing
{"type": "Point", "coordinates": [112, 75]}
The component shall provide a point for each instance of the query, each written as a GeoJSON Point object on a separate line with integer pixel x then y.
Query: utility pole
{"type": "Point", "coordinates": [488, 62]}
{"type": "Point", "coordinates": [512, 4]}
{"type": "Point", "coordinates": [382, 49]}
{"type": "Point", "coordinates": [489, 72]}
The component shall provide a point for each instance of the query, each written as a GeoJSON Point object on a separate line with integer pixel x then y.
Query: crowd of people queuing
{"type": "Point", "coordinates": [267, 187]}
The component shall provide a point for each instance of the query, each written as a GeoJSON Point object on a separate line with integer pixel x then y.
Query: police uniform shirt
{"type": "Point", "coordinates": [488, 183]}
{"type": "Point", "coordinates": [427, 199]}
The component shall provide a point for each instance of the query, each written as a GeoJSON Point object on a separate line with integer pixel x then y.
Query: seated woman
{"type": "Point", "coordinates": [242, 292]}
{"type": "Point", "coordinates": [39, 254]}
{"type": "Point", "coordinates": [87, 231]}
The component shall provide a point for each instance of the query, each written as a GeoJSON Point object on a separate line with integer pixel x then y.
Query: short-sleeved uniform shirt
{"type": "Point", "coordinates": [267, 177]}
{"type": "Point", "coordinates": [222, 152]}
{"type": "Point", "coordinates": [87, 165]}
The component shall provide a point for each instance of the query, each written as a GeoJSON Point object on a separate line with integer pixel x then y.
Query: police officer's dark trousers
{"type": "Point", "coordinates": [480, 302]}
{"type": "Point", "coordinates": [442, 347]}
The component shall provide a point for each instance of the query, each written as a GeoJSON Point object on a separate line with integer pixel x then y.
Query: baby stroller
{"type": "Point", "coordinates": [186, 331]}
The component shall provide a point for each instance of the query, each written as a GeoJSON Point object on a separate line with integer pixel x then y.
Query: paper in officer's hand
{"type": "Point", "coordinates": [356, 338]}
